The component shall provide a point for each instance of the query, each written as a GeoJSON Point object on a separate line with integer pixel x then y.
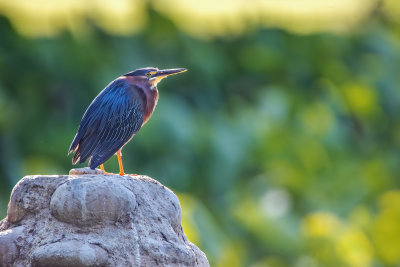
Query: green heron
{"type": "Point", "coordinates": [116, 115]}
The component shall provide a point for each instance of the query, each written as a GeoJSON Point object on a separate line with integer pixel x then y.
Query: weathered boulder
{"type": "Point", "coordinates": [94, 220]}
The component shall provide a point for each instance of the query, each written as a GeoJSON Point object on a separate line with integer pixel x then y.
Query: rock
{"type": "Point", "coordinates": [8, 245]}
{"type": "Point", "coordinates": [87, 170]}
{"type": "Point", "coordinates": [27, 196]}
{"type": "Point", "coordinates": [94, 220]}
{"type": "Point", "coordinates": [69, 253]}
{"type": "Point", "coordinates": [73, 202]}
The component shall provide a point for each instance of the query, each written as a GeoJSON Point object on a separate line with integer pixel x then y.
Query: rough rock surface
{"type": "Point", "coordinates": [94, 220]}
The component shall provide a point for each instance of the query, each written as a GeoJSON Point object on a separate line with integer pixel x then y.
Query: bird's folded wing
{"type": "Point", "coordinates": [109, 122]}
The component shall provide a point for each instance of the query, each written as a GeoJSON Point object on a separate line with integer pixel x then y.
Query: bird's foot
{"type": "Point", "coordinates": [106, 173]}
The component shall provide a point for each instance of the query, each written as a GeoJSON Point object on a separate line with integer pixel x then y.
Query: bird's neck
{"type": "Point", "coordinates": [143, 89]}
{"type": "Point", "coordinates": [150, 101]}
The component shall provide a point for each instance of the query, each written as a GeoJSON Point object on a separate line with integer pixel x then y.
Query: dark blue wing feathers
{"type": "Point", "coordinates": [111, 120]}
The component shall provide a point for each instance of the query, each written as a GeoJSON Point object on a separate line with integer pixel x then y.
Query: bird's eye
{"type": "Point", "coordinates": [150, 73]}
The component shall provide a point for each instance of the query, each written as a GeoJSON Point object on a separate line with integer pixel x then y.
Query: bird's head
{"type": "Point", "coordinates": [153, 75]}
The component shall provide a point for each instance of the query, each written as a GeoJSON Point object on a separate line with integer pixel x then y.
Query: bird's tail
{"type": "Point", "coordinates": [74, 148]}
{"type": "Point", "coordinates": [77, 156]}
{"type": "Point", "coordinates": [74, 145]}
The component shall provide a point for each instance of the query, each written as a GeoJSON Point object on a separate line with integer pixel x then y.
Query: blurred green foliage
{"type": "Point", "coordinates": [283, 148]}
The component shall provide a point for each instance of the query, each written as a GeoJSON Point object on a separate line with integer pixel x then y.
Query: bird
{"type": "Point", "coordinates": [115, 116]}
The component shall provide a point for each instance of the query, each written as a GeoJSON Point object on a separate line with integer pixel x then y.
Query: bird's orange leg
{"type": "Point", "coordinates": [102, 168]}
{"type": "Point", "coordinates": [121, 167]}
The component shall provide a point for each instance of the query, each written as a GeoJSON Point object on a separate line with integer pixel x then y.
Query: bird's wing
{"type": "Point", "coordinates": [117, 132]}
{"type": "Point", "coordinates": [108, 124]}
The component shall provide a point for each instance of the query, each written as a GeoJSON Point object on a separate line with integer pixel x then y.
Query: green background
{"type": "Point", "coordinates": [282, 143]}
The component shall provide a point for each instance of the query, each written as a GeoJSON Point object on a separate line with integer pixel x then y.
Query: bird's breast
{"type": "Point", "coordinates": [141, 89]}
{"type": "Point", "coordinates": [151, 102]}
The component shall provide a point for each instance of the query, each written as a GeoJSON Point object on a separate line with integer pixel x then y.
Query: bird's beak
{"type": "Point", "coordinates": [161, 74]}
{"type": "Point", "coordinates": [165, 73]}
